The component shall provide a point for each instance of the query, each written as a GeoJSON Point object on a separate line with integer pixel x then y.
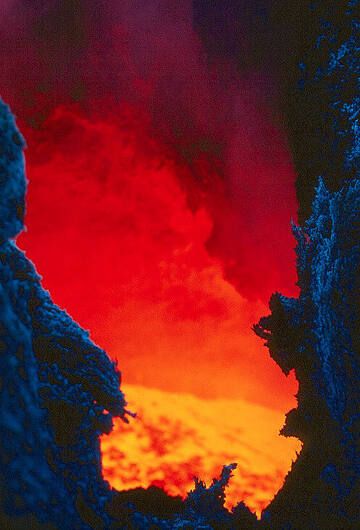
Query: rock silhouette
{"type": "Point", "coordinates": [59, 391]}
{"type": "Point", "coordinates": [321, 74]}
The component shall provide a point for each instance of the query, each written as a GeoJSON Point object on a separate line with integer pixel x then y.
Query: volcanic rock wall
{"type": "Point", "coordinates": [321, 76]}
{"type": "Point", "coordinates": [318, 336]}
{"type": "Point", "coordinates": [318, 333]}
{"type": "Point", "coordinates": [59, 391]}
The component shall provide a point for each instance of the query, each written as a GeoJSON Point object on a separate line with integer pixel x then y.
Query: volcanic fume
{"type": "Point", "coordinates": [157, 148]}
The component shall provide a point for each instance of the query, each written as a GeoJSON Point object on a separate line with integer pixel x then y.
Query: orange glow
{"type": "Point", "coordinates": [112, 231]}
{"type": "Point", "coordinates": [120, 229]}
{"type": "Point", "coordinates": [178, 436]}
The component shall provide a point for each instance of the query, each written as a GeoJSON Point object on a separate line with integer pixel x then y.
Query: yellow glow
{"type": "Point", "coordinates": [178, 436]}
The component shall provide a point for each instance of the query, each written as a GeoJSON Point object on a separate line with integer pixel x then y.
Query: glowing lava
{"type": "Point", "coordinates": [178, 436]}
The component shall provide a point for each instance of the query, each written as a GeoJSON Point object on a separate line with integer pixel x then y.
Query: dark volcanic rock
{"type": "Point", "coordinates": [318, 336]}
{"type": "Point", "coordinates": [58, 390]}
{"type": "Point", "coordinates": [321, 71]}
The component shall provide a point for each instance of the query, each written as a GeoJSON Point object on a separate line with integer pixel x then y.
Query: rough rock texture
{"type": "Point", "coordinates": [202, 509]}
{"type": "Point", "coordinates": [321, 58]}
{"type": "Point", "coordinates": [58, 390]}
{"type": "Point", "coordinates": [318, 336]}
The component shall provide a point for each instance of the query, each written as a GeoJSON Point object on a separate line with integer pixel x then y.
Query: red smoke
{"type": "Point", "coordinates": [169, 174]}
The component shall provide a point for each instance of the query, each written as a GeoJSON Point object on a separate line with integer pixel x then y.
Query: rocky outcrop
{"type": "Point", "coordinates": [321, 71]}
{"type": "Point", "coordinates": [317, 335]}
{"type": "Point", "coordinates": [59, 391]}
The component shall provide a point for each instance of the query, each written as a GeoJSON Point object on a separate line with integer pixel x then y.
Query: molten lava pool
{"type": "Point", "coordinates": [176, 437]}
